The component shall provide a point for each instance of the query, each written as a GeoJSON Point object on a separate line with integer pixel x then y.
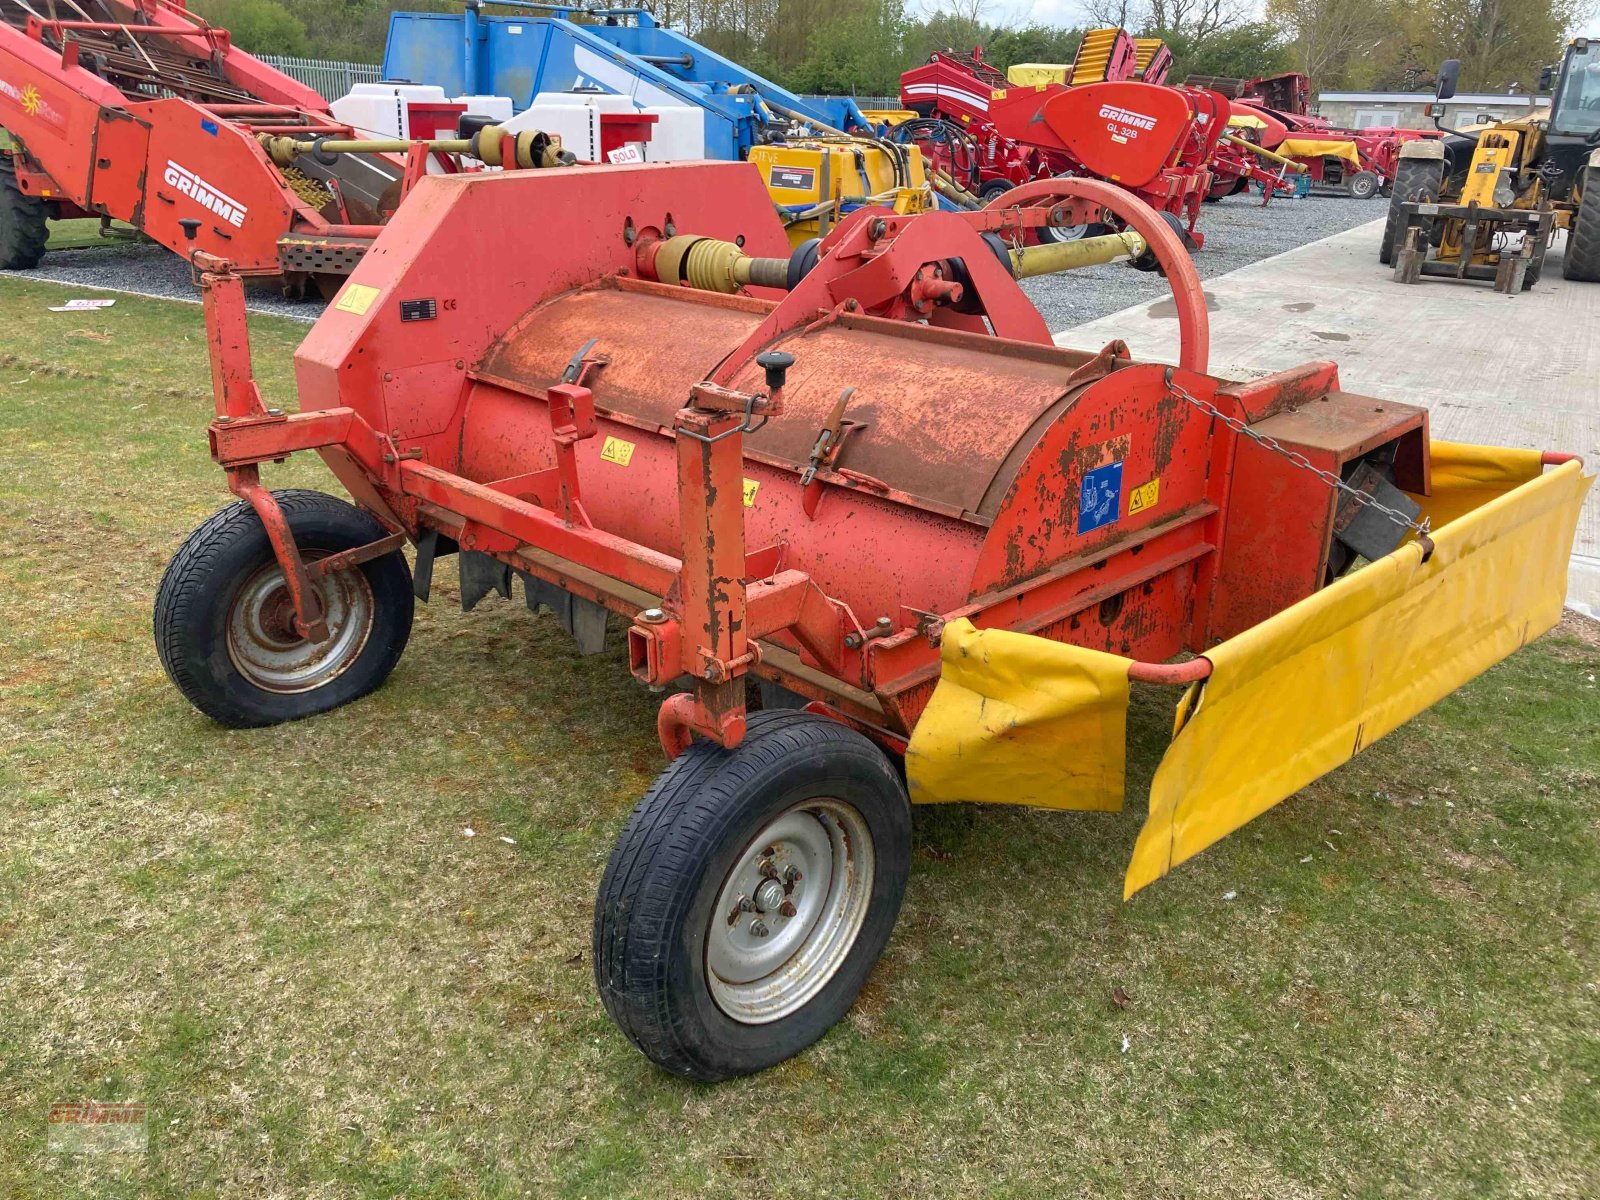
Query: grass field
{"type": "Point", "coordinates": [283, 942]}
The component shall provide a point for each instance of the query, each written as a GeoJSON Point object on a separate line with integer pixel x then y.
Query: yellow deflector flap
{"type": "Point", "coordinates": [1307, 689]}
{"type": "Point", "coordinates": [1017, 719]}
{"type": "Point", "coordinates": [1321, 148]}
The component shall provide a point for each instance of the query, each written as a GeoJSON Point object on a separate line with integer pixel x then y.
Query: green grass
{"type": "Point", "coordinates": [79, 232]}
{"type": "Point", "coordinates": [283, 943]}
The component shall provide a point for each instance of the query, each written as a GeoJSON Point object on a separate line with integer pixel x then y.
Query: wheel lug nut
{"type": "Point", "coordinates": [790, 875]}
{"type": "Point", "coordinates": [786, 909]}
{"type": "Point", "coordinates": [768, 870]}
{"type": "Point", "coordinates": [758, 929]}
{"type": "Point", "coordinates": [746, 904]}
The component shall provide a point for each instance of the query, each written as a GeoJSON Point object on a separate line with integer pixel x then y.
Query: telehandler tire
{"type": "Point", "coordinates": [23, 231]}
{"type": "Point", "coordinates": [1414, 178]}
{"type": "Point", "coordinates": [1582, 262]}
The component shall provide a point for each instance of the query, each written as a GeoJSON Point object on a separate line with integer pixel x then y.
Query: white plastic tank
{"type": "Point", "coordinates": [496, 108]}
{"type": "Point", "coordinates": [678, 134]}
{"type": "Point", "coordinates": [378, 110]}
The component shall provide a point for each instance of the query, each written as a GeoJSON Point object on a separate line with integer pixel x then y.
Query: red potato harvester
{"type": "Point", "coordinates": [862, 475]}
{"type": "Point", "coordinates": [1155, 141]}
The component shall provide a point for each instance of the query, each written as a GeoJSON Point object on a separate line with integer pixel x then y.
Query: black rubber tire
{"type": "Point", "coordinates": [1363, 185]}
{"type": "Point", "coordinates": [993, 188]}
{"type": "Point", "coordinates": [204, 577]}
{"type": "Point", "coordinates": [1414, 178]}
{"type": "Point", "coordinates": [1582, 261]}
{"type": "Point", "coordinates": [23, 232]}
{"type": "Point", "coordinates": [669, 864]}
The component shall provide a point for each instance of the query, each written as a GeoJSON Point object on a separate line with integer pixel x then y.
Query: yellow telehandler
{"type": "Point", "coordinates": [1459, 201]}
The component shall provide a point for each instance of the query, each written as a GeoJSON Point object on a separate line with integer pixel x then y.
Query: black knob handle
{"type": "Point", "coordinates": [190, 227]}
{"type": "Point", "coordinates": [777, 364]}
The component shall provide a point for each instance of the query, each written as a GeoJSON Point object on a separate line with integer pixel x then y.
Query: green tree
{"type": "Point", "coordinates": [1337, 42]}
{"type": "Point", "coordinates": [259, 26]}
{"type": "Point", "coordinates": [1244, 52]}
{"type": "Point", "coordinates": [1500, 43]}
{"type": "Point", "coordinates": [858, 52]}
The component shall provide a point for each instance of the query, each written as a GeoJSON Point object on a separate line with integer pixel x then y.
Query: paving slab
{"type": "Point", "coordinates": [1501, 370]}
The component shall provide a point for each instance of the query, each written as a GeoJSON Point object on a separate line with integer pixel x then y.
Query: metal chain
{"type": "Point", "coordinates": [1421, 528]}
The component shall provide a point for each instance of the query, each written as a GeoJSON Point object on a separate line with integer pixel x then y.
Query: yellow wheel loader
{"type": "Point", "coordinates": [1460, 202]}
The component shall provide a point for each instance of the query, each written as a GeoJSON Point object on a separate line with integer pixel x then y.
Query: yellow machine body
{"type": "Point", "coordinates": [814, 182]}
{"type": "Point", "coordinates": [1033, 74]}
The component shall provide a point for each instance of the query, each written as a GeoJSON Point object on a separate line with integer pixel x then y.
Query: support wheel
{"type": "Point", "coordinates": [993, 188]}
{"type": "Point", "coordinates": [23, 231]}
{"type": "Point", "coordinates": [1414, 179]}
{"type": "Point", "coordinates": [1363, 185]}
{"type": "Point", "coordinates": [750, 894]}
{"type": "Point", "coordinates": [224, 625]}
{"type": "Point", "coordinates": [1582, 261]}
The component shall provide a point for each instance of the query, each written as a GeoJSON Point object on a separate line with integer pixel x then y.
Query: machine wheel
{"type": "Point", "coordinates": [224, 625]}
{"type": "Point", "coordinates": [1582, 261]}
{"type": "Point", "coordinates": [1066, 233]}
{"type": "Point", "coordinates": [1363, 185]}
{"type": "Point", "coordinates": [1413, 178]}
{"type": "Point", "coordinates": [750, 894]}
{"type": "Point", "coordinates": [993, 188]}
{"type": "Point", "coordinates": [23, 231]}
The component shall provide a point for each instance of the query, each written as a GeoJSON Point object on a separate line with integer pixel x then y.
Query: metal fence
{"type": "Point", "coordinates": [330, 79]}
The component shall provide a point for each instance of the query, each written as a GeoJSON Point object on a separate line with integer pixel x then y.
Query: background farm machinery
{"type": "Point", "coordinates": [145, 114]}
{"type": "Point", "coordinates": [1358, 162]}
{"type": "Point", "coordinates": [860, 474]}
{"type": "Point", "coordinates": [1106, 116]}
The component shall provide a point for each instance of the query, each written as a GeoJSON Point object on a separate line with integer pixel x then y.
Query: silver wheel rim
{"type": "Point", "coordinates": [789, 911]}
{"type": "Point", "coordinates": [263, 643]}
{"type": "Point", "coordinates": [1062, 233]}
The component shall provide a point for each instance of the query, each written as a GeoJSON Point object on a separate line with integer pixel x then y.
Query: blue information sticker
{"type": "Point", "coordinates": [1100, 498]}
{"type": "Point", "coordinates": [207, 125]}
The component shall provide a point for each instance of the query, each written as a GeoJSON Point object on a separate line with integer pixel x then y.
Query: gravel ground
{"type": "Point", "coordinates": [147, 269]}
{"type": "Point", "coordinates": [1238, 231]}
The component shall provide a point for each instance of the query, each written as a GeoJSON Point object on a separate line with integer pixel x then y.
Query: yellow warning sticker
{"type": "Point", "coordinates": [751, 487]}
{"type": "Point", "coordinates": [357, 298]}
{"type": "Point", "coordinates": [1144, 496]}
{"type": "Point", "coordinates": [617, 451]}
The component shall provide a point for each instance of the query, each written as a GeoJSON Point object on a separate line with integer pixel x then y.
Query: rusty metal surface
{"type": "Point", "coordinates": [934, 418]}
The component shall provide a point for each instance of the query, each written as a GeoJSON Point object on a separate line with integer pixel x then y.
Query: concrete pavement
{"type": "Point", "coordinates": [1493, 369]}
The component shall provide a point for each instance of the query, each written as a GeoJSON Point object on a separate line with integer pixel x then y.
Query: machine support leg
{"type": "Point", "coordinates": [716, 651]}
{"type": "Point", "coordinates": [233, 386]}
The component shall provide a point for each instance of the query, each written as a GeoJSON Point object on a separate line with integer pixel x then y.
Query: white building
{"type": "Point", "coordinates": [1360, 110]}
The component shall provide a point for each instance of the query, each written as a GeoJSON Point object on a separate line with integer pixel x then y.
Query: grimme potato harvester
{"type": "Point", "coordinates": [143, 113]}
{"type": "Point", "coordinates": [859, 475]}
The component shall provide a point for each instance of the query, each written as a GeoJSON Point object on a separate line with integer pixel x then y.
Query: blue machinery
{"type": "Point", "coordinates": [624, 52]}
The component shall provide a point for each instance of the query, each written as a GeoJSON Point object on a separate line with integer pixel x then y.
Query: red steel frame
{"type": "Point", "coordinates": [720, 610]}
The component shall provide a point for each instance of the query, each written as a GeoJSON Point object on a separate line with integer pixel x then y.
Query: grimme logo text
{"type": "Point", "coordinates": [1137, 120]}
{"type": "Point", "coordinates": [204, 194]}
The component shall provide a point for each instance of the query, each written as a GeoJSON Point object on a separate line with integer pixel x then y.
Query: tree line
{"type": "Point", "coordinates": [860, 47]}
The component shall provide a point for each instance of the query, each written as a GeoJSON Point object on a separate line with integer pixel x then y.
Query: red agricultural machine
{"type": "Point", "coordinates": [1112, 118]}
{"type": "Point", "coordinates": [1359, 162]}
{"type": "Point", "coordinates": [862, 475]}
{"type": "Point", "coordinates": [146, 114]}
